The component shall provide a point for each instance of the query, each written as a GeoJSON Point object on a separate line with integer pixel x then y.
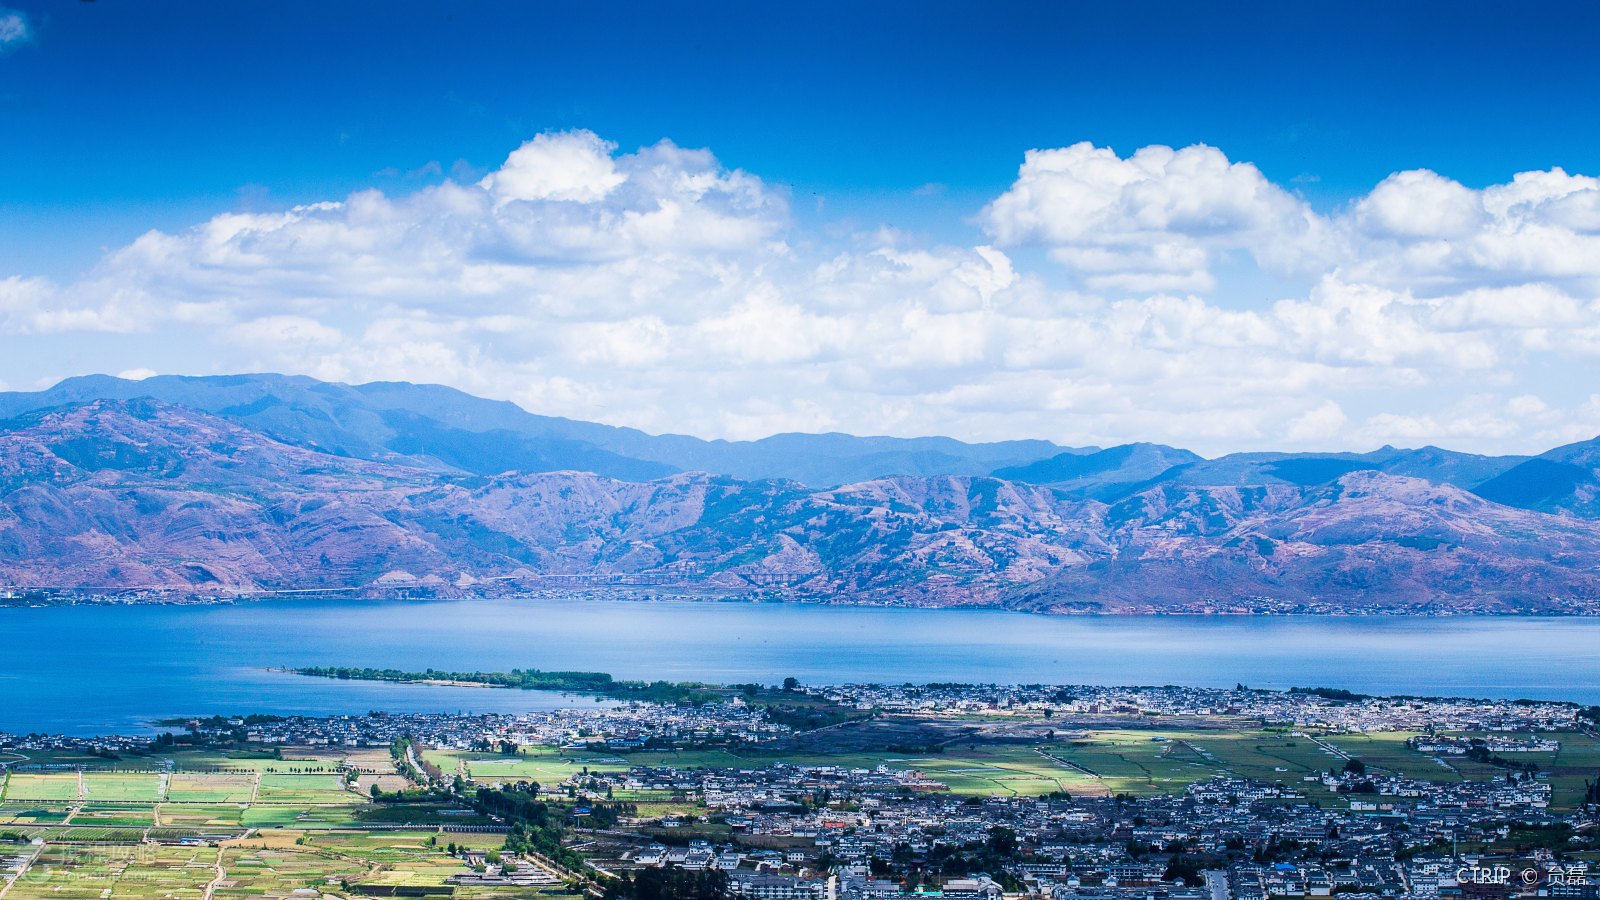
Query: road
{"type": "Point", "coordinates": [213, 884]}
{"type": "Point", "coordinates": [28, 864]}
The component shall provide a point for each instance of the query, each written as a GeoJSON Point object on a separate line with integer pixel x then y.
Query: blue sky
{"type": "Point", "coordinates": [147, 114]}
{"type": "Point", "coordinates": [118, 118]}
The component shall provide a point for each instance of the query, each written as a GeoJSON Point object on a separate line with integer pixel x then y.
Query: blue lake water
{"type": "Point", "coordinates": [111, 669]}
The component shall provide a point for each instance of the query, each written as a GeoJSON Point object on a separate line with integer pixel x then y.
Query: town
{"type": "Point", "coordinates": [957, 791]}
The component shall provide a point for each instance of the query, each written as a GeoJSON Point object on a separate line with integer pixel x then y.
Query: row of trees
{"type": "Point", "coordinates": [535, 679]}
{"type": "Point", "coordinates": [536, 826]}
{"type": "Point", "coordinates": [670, 883]}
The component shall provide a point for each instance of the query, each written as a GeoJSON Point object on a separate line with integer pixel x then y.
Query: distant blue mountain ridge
{"type": "Point", "coordinates": [445, 429]}
{"type": "Point", "coordinates": [449, 431]}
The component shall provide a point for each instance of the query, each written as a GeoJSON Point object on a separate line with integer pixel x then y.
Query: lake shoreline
{"type": "Point", "coordinates": [101, 668]}
{"type": "Point", "coordinates": [624, 596]}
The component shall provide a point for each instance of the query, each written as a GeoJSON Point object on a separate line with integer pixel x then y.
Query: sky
{"type": "Point", "coordinates": [1227, 227]}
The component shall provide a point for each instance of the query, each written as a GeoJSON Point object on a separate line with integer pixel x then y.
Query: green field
{"type": "Point", "coordinates": [299, 816]}
{"type": "Point", "coordinates": [42, 786]}
{"type": "Point", "coordinates": [24, 813]}
{"type": "Point", "coordinates": [311, 828]}
{"type": "Point", "coordinates": [191, 788]}
{"type": "Point", "coordinates": [116, 786]}
{"type": "Point", "coordinates": [311, 833]}
{"type": "Point", "coordinates": [138, 872]}
{"type": "Point", "coordinates": [1001, 771]}
{"type": "Point", "coordinates": [1577, 761]}
{"type": "Point", "coordinates": [541, 764]}
{"type": "Point", "coordinates": [1566, 770]}
{"type": "Point", "coordinates": [1138, 762]}
{"type": "Point", "coordinates": [303, 789]}
{"type": "Point", "coordinates": [201, 816]}
{"type": "Point", "coordinates": [271, 871]}
{"type": "Point", "coordinates": [115, 815]}
{"type": "Point", "coordinates": [1141, 762]}
{"type": "Point", "coordinates": [314, 833]}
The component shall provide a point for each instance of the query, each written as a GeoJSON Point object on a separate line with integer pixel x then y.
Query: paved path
{"type": "Point", "coordinates": [1067, 763]}
{"type": "Point", "coordinates": [1331, 748]}
{"type": "Point", "coordinates": [213, 884]}
{"type": "Point", "coordinates": [6, 888]}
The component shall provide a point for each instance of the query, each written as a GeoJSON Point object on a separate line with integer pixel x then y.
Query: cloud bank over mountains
{"type": "Point", "coordinates": [1169, 294]}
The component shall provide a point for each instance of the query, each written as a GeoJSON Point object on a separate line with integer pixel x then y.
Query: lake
{"type": "Point", "coordinates": [112, 669]}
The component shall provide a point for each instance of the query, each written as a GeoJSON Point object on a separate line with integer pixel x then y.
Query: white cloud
{"type": "Point", "coordinates": [1428, 234]}
{"type": "Point", "coordinates": [575, 167]}
{"type": "Point", "coordinates": [14, 29]}
{"type": "Point", "coordinates": [1322, 423]}
{"type": "Point", "coordinates": [1568, 201]}
{"type": "Point", "coordinates": [1163, 219]}
{"type": "Point", "coordinates": [660, 289]}
{"type": "Point", "coordinates": [1419, 205]}
{"type": "Point", "coordinates": [1154, 221]}
{"type": "Point", "coordinates": [284, 331]}
{"type": "Point", "coordinates": [1526, 405]}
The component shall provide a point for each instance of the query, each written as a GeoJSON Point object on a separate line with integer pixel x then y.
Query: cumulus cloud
{"type": "Point", "coordinates": [661, 289]}
{"type": "Point", "coordinates": [1431, 234]}
{"type": "Point", "coordinates": [1419, 205]}
{"type": "Point", "coordinates": [574, 167]}
{"type": "Point", "coordinates": [1163, 219]}
{"type": "Point", "coordinates": [1156, 220]}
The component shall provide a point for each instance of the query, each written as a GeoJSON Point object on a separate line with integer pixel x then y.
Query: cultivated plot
{"type": "Point", "coordinates": [145, 787]}
{"type": "Point", "coordinates": [195, 788]}
{"type": "Point", "coordinates": [303, 789]}
{"type": "Point", "coordinates": [43, 786]}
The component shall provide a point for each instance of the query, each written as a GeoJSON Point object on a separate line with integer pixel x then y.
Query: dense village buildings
{"type": "Point", "coordinates": [817, 831]}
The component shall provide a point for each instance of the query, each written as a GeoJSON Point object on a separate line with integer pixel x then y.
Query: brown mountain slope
{"type": "Point", "coordinates": [136, 493]}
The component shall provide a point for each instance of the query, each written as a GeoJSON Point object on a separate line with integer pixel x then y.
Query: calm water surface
{"type": "Point", "coordinates": [99, 669]}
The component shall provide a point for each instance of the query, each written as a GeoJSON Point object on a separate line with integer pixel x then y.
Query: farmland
{"type": "Point", "coordinates": [270, 821]}
{"type": "Point", "coordinates": [1139, 762]}
{"type": "Point", "coordinates": [193, 824]}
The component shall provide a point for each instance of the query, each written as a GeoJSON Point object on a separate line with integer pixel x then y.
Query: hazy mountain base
{"type": "Point", "coordinates": [138, 493]}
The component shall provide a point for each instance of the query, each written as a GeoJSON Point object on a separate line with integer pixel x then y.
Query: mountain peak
{"type": "Point", "coordinates": [142, 491]}
{"type": "Point", "coordinates": [447, 430]}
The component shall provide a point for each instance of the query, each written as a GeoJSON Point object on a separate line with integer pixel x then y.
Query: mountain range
{"type": "Point", "coordinates": [266, 482]}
